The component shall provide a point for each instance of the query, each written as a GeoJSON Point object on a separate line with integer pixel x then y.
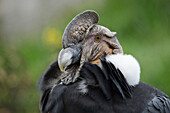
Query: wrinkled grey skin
{"type": "Point", "coordinates": [77, 35]}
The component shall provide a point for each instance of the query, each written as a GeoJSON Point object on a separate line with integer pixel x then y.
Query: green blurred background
{"type": "Point", "coordinates": [30, 39]}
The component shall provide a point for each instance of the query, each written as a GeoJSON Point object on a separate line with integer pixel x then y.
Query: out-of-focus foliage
{"type": "Point", "coordinates": [143, 30]}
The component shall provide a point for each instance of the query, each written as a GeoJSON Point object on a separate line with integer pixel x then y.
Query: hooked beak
{"type": "Point", "coordinates": [61, 67]}
{"type": "Point", "coordinates": [68, 56]}
{"type": "Point", "coordinates": [63, 58]}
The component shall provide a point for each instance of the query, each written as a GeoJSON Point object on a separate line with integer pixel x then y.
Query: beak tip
{"type": "Point", "coordinates": [61, 68]}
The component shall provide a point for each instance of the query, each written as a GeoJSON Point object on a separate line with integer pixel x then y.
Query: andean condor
{"type": "Point", "coordinates": [92, 75]}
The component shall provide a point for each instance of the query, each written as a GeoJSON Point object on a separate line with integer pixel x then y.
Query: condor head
{"type": "Point", "coordinates": [85, 41]}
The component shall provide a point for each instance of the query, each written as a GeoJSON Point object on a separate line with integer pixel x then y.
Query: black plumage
{"type": "Point", "coordinates": [103, 94]}
{"type": "Point", "coordinates": [49, 77]}
{"type": "Point", "coordinates": [159, 104]}
{"type": "Point", "coordinates": [101, 87]}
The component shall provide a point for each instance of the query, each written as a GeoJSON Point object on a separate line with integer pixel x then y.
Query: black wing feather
{"type": "Point", "coordinates": [110, 79]}
{"type": "Point", "coordinates": [52, 100]}
{"type": "Point", "coordinates": [106, 70]}
{"type": "Point", "coordinates": [117, 78]}
{"type": "Point", "coordinates": [49, 77]}
{"type": "Point", "coordinates": [44, 99]}
{"type": "Point", "coordinates": [159, 104]}
{"type": "Point", "coordinates": [88, 75]}
{"type": "Point", "coordinates": [95, 70]}
{"type": "Point", "coordinates": [125, 86]}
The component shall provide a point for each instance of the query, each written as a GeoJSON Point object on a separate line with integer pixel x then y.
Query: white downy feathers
{"type": "Point", "coordinates": [82, 87]}
{"type": "Point", "coordinates": [128, 65]}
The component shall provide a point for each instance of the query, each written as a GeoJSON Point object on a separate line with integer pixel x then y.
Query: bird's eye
{"type": "Point", "coordinates": [97, 38]}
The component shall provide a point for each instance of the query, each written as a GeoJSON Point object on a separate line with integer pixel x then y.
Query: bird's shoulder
{"type": "Point", "coordinates": [49, 77]}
